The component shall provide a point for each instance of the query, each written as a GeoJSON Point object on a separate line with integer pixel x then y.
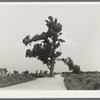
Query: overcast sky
{"type": "Point", "coordinates": [81, 30]}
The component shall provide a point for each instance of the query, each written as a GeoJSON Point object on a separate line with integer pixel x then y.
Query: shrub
{"type": "Point", "coordinates": [25, 72]}
{"type": "Point", "coordinates": [45, 72]}
{"type": "Point", "coordinates": [82, 82]}
{"type": "Point", "coordinates": [16, 72]}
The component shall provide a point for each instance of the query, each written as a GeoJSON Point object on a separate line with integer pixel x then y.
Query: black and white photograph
{"type": "Point", "coordinates": [47, 46]}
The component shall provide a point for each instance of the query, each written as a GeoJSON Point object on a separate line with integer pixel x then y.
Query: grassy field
{"type": "Point", "coordinates": [82, 81]}
{"type": "Point", "coordinates": [12, 79]}
{"type": "Point", "coordinates": [16, 79]}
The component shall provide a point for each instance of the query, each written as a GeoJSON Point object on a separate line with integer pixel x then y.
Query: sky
{"type": "Point", "coordinates": [80, 28]}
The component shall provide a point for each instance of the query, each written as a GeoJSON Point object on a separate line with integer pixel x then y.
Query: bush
{"type": "Point", "coordinates": [16, 72]}
{"type": "Point", "coordinates": [25, 72]}
{"type": "Point", "coordinates": [45, 72]}
{"type": "Point", "coordinates": [82, 81]}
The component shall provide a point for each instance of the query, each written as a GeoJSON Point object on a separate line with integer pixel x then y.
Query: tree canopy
{"type": "Point", "coordinates": [70, 63]}
{"type": "Point", "coordinates": [46, 50]}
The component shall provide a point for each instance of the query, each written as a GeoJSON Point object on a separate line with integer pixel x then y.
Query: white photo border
{"type": "Point", "coordinates": [49, 93]}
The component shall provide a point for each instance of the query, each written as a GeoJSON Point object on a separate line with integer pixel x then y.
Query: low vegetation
{"type": "Point", "coordinates": [15, 79]}
{"type": "Point", "coordinates": [41, 74]}
{"type": "Point", "coordinates": [83, 81]}
{"type": "Point", "coordinates": [10, 79]}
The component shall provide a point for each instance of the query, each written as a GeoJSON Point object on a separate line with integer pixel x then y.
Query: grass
{"type": "Point", "coordinates": [82, 81]}
{"type": "Point", "coordinates": [16, 79]}
{"type": "Point", "coordinates": [11, 79]}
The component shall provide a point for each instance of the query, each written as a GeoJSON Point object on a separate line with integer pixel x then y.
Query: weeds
{"type": "Point", "coordinates": [12, 80]}
{"type": "Point", "coordinates": [82, 81]}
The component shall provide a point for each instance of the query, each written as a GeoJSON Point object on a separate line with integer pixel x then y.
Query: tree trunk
{"type": "Point", "coordinates": [52, 67]}
{"type": "Point", "coordinates": [51, 70]}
